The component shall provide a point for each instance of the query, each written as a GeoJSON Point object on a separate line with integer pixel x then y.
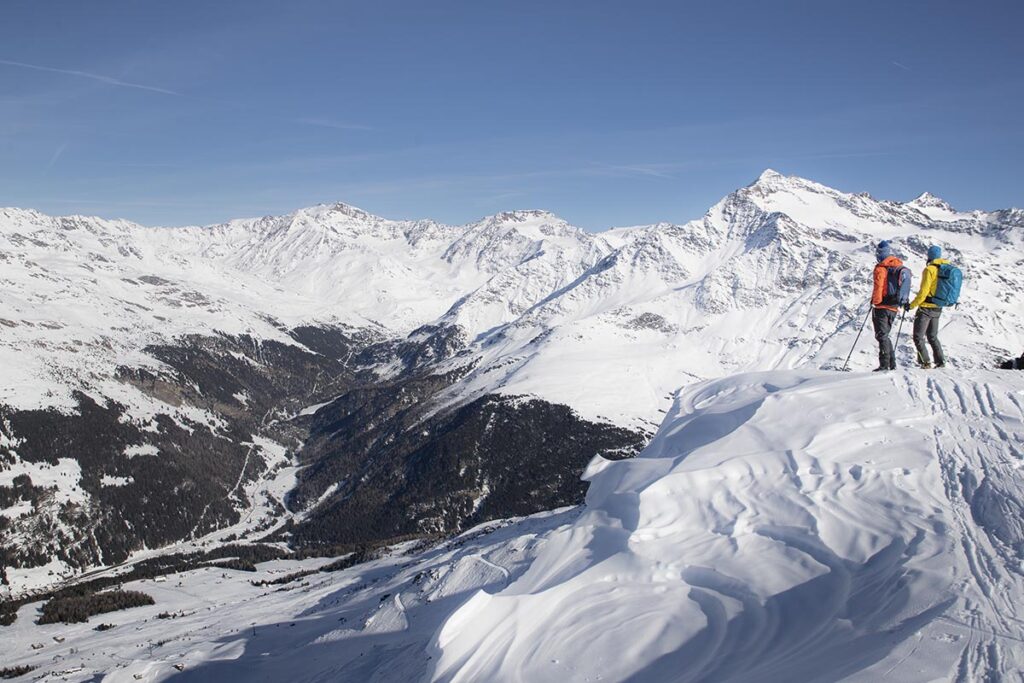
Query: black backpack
{"type": "Point", "coordinates": [897, 285]}
{"type": "Point", "coordinates": [1013, 363]}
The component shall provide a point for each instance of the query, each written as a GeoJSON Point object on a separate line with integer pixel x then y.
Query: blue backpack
{"type": "Point", "coordinates": [947, 288]}
{"type": "Point", "coordinates": [897, 286]}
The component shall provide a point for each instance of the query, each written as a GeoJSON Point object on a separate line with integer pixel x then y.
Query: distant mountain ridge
{"type": "Point", "coordinates": [330, 358]}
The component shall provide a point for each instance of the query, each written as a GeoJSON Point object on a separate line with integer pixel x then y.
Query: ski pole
{"type": "Point", "coordinates": [899, 329]}
{"type": "Point", "coordinates": [949, 318]}
{"type": "Point", "coordinates": [862, 325]}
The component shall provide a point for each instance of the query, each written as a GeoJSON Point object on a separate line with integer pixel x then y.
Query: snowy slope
{"type": "Point", "coordinates": [531, 253]}
{"type": "Point", "coordinates": [373, 622]}
{"type": "Point", "coordinates": [86, 294]}
{"type": "Point", "coordinates": [776, 275]}
{"type": "Point", "coordinates": [783, 526]}
{"type": "Point", "coordinates": [160, 321]}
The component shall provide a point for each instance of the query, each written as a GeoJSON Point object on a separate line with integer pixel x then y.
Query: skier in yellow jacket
{"type": "Point", "coordinates": [926, 322]}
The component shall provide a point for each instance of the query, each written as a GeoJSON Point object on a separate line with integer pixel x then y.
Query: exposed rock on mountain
{"type": "Point", "coordinates": [330, 376]}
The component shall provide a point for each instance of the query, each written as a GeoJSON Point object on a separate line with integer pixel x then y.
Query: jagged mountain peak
{"type": "Point", "coordinates": [14, 218]}
{"type": "Point", "coordinates": [10, 212]}
{"type": "Point", "coordinates": [533, 224]}
{"type": "Point", "coordinates": [771, 182]}
{"type": "Point", "coordinates": [513, 236]}
{"type": "Point", "coordinates": [818, 207]}
{"type": "Point", "coordinates": [348, 210]}
{"type": "Point", "coordinates": [926, 200]}
{"type": "Point", "coordinates": [338, 214]}
{"type": "Point", "coordinates": [337, 226]}
{"type": "Point", "coordinates": [523, 215]}
{"type": "Point", "coordinates": [329, 214]}
{"type": "Point", "coordinates": [769, 175]}
{"type": "Point", "coordinates": [326, 215]}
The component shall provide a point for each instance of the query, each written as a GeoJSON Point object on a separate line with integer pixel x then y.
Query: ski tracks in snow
{"type": "Point", "coordinates": [502, 570]}
{"type": "Point", "coordinates": [981, 474]}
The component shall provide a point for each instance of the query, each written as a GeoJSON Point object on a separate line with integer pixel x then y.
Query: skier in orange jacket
{"type": "Point", "coordinates": [884, 305]}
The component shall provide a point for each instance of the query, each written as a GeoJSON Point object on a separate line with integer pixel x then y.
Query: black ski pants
{"type": "Point", "coordinates": [926, 329]}
{"type": "Point", "coordinates": [881, 320]}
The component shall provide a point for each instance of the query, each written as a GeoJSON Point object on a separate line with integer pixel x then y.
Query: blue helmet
{"type": "Point", "coordinates": [934, 252]}
{"type": "Point", "coordinates": [883, 250]}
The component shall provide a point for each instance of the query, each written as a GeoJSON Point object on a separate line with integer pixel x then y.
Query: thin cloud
{"type": "Point", "coordinates": [840, 155]}
{"type": "Point", "coordinates": [337, 125]}
{"type": "Point", "coordinates": [135, 164]}
{"type": "Point", "coordinates": [651, 170]}
{"type": "Point", "coordinates": [109, 80]}
{"type": "Point", "coordinates": [902, 66]}
{"type": "Point", "coordinates": [500, 197]}
{"type": "Point", "coordinates": [146, 203]}
{"type": "Point", "coordinates": [56, 155]}
{"type": "Point", "coordinates": [476, 180]}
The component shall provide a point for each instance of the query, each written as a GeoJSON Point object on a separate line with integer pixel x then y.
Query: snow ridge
{"type": "Point", "coordinates": [781, 526]}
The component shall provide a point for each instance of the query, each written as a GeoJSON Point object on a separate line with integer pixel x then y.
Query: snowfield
{"type": "Point", "coordinates": [784, 526]}
{"type": "Point", "coordinates": [781, 526]}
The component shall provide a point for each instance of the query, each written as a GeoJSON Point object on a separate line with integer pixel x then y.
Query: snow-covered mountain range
{"type": "Point", "coordinates": [783, 260]}
{"type": "Point", "coordinates": [331, 380]}
{"type": "Point", "coordinates": [154, 324]}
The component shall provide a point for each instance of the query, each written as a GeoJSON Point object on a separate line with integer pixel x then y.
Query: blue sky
{"type": "Point", "coordinates": [607, 113]}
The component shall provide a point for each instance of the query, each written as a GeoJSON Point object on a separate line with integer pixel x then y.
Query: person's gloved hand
{"type": "Point", "coordinates": [906, 306]}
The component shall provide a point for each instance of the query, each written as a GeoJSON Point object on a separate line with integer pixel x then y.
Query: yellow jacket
{"type": "Point", "coordinates": [929, 279]}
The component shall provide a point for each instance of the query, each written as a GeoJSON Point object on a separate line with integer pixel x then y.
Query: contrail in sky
{"type": "Point", "coordinates": [56, 155]}
{"type": "Point", "coordinates": [327, 123]}
{"type": "Point", "coordinates": [109, 80]}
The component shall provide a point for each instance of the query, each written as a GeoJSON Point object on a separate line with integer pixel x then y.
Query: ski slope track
{"type": "Point", "coordinates": [782, 526]}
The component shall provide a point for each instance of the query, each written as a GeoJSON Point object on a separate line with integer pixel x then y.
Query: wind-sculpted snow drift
{"type": "Point", "coordinates": [781, 526]}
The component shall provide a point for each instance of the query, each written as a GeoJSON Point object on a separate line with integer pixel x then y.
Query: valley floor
{"type": "Point", "coordinates": [373, 622]}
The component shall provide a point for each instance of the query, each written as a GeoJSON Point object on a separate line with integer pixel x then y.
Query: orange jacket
{"type": "Point", "coordinates": [881, 274]}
